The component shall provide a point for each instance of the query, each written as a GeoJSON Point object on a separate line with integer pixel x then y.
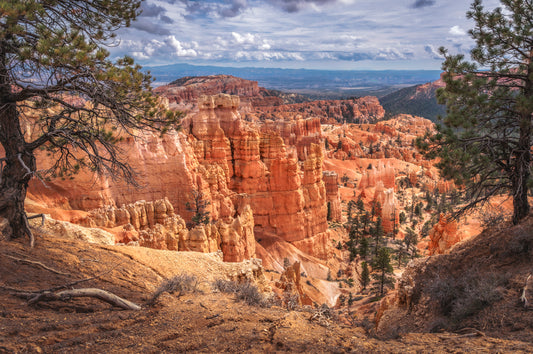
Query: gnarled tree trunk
{"type": "Point", "coordinates": [18, 166]}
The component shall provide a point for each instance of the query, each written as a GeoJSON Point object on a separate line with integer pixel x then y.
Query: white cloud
{"type": "Point", "coordinates": [434, 53]}
{"type": "Point", "coordinates": [457, 31]}
{"type": "Point", "coordinates": [246, 38]}
{"type": "Point", "coordinates": [348, 31]}
{"type": "Point", "coordinates": [265, 45]}
{"type": "Point", "coordinates": [178, 48]}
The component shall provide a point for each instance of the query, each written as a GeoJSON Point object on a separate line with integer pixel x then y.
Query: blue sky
{"type": "Point", "coordinates": [311, 34]}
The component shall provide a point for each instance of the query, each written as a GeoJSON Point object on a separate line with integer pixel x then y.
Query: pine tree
{"type": "Point", "coordinates": [360, 205]}
{"type": "Point", "coordinates": [56, 75]}
{"type": "Point", "coordinates": [201, 214]}
{"type": "Point", "coordinates": [411, 240]}
{"type": "Point", "coordinates": [383, 268]}
{"type": "Point", "coordinates": [363, 247]}
{"type": "Point", "coordinates": [485, 142]}
{"type": "Point", "coordinates": [365, 275]}
{"type": "Point", "coordinates": [377, 234]}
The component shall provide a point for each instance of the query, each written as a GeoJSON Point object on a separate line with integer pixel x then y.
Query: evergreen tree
{"type": "Point", "coordinates": [360, 205]}
{"type": "Point", "coordinates": [400, 251]}
{"type": "Point", "coordinates": [411, 240]}
{"type": "Point", "coordinates": [377, 234]}
{"type": "Point", "coordinates": [365, 275]}
{"type": "Point", "coordinates": [56, 75]}
{"type": "Point", "coordinates": [418, 209]}
{"type": "Point", "coordinates": [199, 209]}
{"type": "Point", "coordinates": [349, 211]}
{"type": "Point", "coordinates": [383, 268]}
{"type": "Point", "coordinates": [485, 142]}
{"type": "Point", "coordinates": [363, 247]}
{"type": "Point", "coordinates": [403, 218]}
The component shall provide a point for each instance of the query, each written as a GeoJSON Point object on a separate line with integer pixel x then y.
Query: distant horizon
{"type": "Point", "coordinates": [233, 66]}
{"type": "Point", "coordinates": [318, 82]}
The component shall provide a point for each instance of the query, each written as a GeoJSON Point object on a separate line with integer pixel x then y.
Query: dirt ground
{"type": "Point", "coordinates": [200, 321]}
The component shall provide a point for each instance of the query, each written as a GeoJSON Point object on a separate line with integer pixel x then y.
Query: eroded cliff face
{"type": "Point", "coordinates": [281, 182]}
{"type": "Point", "coordinates": [254, 180]}
{"type": "Point", "coordinates": [358, 110]}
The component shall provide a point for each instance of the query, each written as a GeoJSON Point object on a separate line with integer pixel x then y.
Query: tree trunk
{"type": "Point", "coordinates": [520, 188]}
{"type": "Point", "coordinates": [522, 168]}
{"type": "Point", "coordinates": [382, 283]}
{"type": "Point", "coordinates": [18, 166]}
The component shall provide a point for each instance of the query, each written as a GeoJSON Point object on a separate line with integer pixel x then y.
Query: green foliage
{"type": "Point", "coordinates": [365, 275]}
{"type": "Point", "coordinates": [382, 269]}
{"type": "Point", "coordinates": [363, 247]}
{"type": "Point", "coordinates": [360, 205]}
{"type": "Point", "coordinates": [486, 137]}
{"type": "Point", "coordinates": [412, 100]}
{"type": "Point", "coordinates": [199, 209]}
{"type": "Point", "coordinates": [345, 179]}
{"type": "Point", "coordinates": [403, 218]}
{"type": "Point", "coordinates": [53, 58]}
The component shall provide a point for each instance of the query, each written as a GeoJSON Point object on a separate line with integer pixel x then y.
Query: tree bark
{"type": "Point", "coordinates": [19, 161]}
{"type": "Point", "coordinates": [521, 175]}
{"type": "Point", "coordinates": [18, 169]}
{"type": "Point", "coordinates": [522, 168]}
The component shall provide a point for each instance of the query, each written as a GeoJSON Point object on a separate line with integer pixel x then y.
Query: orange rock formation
{"type": "Point", "coordinates": [357, 110]}
{"type": "Point", "coordinates": [443, 236]}
{"type": "Point", "coordinates": [253, 179]}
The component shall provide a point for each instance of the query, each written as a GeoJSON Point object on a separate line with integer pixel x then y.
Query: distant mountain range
{"type": "Point", "coordinates": [316, 84]}
{"type": "Point", "coordinates": [419, 100]}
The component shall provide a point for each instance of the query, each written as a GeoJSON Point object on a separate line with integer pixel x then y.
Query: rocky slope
{"type": "Point", "coordinates": [258, 103]}
{"type": "Point", "coordinates": [195, 320]}
{"type": "Point", "coordinates": [417, 100]}
{"type": "Point", "coordinates": [477, 285]}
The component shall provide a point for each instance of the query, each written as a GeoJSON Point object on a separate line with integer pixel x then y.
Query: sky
{"type": "Point", "coordinates": [309, 34]}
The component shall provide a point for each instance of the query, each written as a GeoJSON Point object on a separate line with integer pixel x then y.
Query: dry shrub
{"type": "Point", "coordinates": [494, 217]}
{"type": "Point", "coordinates": [292, 301]}
{"type": "Point", "coordinates": [460, 298]}
{"type": "Point", "coordinates": [244, 291]}
{"type": "Point", "coordinates": [521, 244]}
{"type": "Point", "coordinates": [179, 284]}
{"type": "Point", "coordinates": [323, 315]}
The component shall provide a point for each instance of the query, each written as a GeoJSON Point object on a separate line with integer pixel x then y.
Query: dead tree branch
{"type": "Point", "coordinates": [524, 298]}
{"type": "Point", "coordinates": [42, 216]}
{"type": "Point", "coordinates": [23, 260]}
{"type": "Point", "coordinates": [87, 292]}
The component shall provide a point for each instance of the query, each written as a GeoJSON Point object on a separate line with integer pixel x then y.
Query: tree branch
{"type": "Point", "coordinates": [66, 295]}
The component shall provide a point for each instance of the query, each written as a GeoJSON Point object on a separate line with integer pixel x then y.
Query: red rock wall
{"type": "Point", "coordinates": [189, 89]}
{"type": "Point", "coordinates": [285, 189]}
{"type": "Point", "coordinates": [360, 110]}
